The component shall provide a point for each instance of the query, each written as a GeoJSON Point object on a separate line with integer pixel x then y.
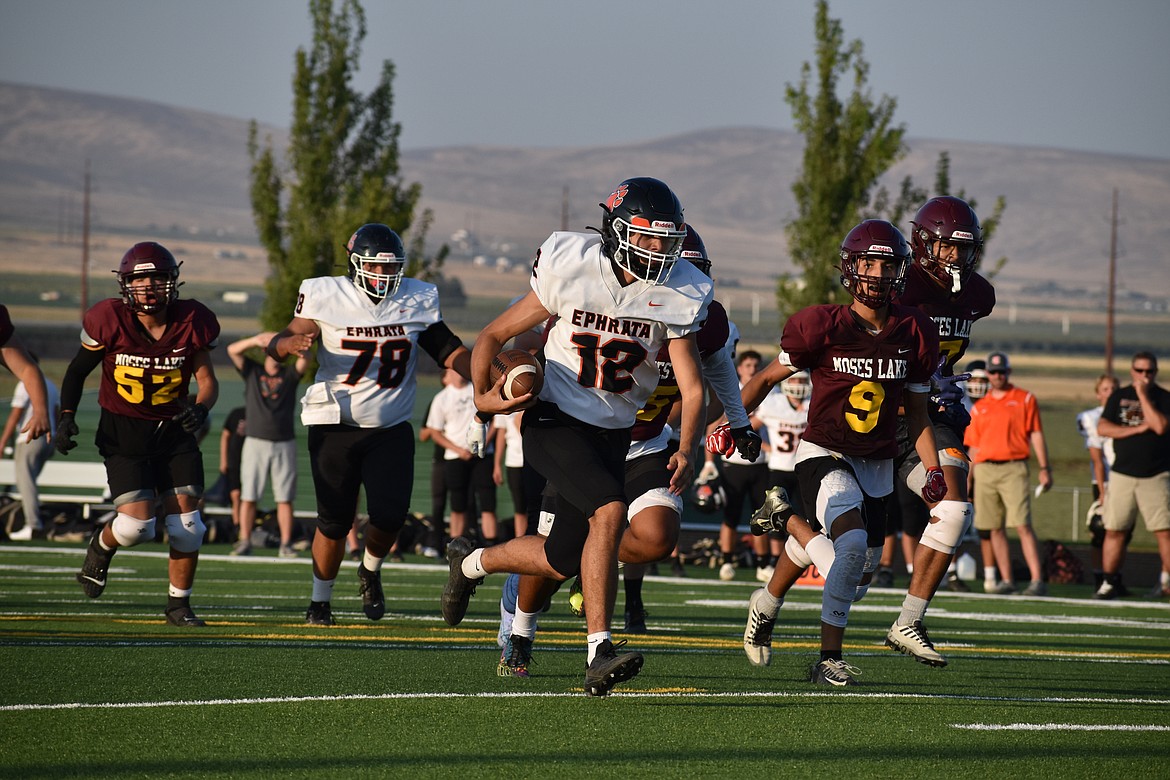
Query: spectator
{"type": "Point", "coordinates": [231, 448]}
{"type": "Point", "coordinates": [1100, 460]}
{"type": "Point", "coordinates": [270, 448]}
{"type": "Point", "coordinates": [432, 545]}
{"type": "Point", "coordinates": [1004, 423]}
{"type": "Point", "coordinates": [1135, 418]}
{"type": "Point", "coordinates": [509, 467]}
{"type": "Point", "coordinates": [29, 455]}
{"type": "Point", "coordinates": [17, 360]}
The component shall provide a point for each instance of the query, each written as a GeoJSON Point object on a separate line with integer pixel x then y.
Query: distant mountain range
{"type": "Point", "coordinates": [159, 168]}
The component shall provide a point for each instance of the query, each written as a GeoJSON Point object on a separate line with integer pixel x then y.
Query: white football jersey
{"type": "Point", "coordinates": [369, 350]}
{"type": "Point", "coordinates": [451, 411]}
{"type": "Point", "coordinates": [599, 352]}
{"type": "Point", "coordinates": [784, 426]}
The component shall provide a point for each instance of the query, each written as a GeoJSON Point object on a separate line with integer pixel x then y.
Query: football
{"type": "Point", "coordinates": [523, 371]}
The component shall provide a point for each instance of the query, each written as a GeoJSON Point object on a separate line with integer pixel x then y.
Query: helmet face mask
{"type": "Point", "coordinates": [947, 241]}
{"type": "Point", "coordinates": [640, 212]}
{"type": "Point", "coordinates": [148, 277]}
{"type": "Point", "coordinates": [874, 259]}
{"type": "Point", "coordinates": [377, 261]}
{"type": "Point", "coordinates": [797, 387]}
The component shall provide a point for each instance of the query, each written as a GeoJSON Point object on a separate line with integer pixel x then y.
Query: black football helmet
{"type": "Point", "coordinates": [951, 220]}
{"type": "Point", "coordinates": [154, 261]}
{"type": "Point", "coordinates": [377, 260]}
{"type": "Point", "coordinates": [643, 206]}
{"type": "Point", "coordinates": [694, 251]}
{"type": "Point", "coordinates": [708, 495]}
{"type": "Point", "coordinates": [878, 239]}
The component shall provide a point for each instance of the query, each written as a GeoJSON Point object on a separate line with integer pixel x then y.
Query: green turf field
{"type": "Point", "coordinates": [1037, 688]}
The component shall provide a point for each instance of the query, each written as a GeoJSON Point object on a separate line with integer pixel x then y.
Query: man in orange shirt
{"type": "Point", "coordinates": [1004, 423]}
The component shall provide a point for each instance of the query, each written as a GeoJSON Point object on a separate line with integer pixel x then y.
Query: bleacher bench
{"type": "Point", "coordinates": [63, 481]}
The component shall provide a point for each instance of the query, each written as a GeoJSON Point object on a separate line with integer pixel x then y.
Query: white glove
{"type": "Point", "coordinates": [708, 472]}
{"type": "Point", "coordinates": [477, 438]}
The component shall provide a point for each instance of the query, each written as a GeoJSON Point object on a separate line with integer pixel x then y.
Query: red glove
{"type": "Point", "coordinates": [935, 489]}
{"type": "Point", "coordinates": [720, 441]}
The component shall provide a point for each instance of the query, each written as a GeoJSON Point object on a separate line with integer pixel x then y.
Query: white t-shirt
{"type": "Point", "coordinates": [784, 425]}
{"type": "Point", "coordinates": [600, 351]}
{"type": "Point", "coordinates": [1087, 426]}
{"type": "Point", "coordinates": [21, 400]}
{"type": "Point", "coordinates": [451, 413]}
{"type": "Point", "coordinates": [369, 350]}
{"type": "Point", "coordinates": [513, 443]}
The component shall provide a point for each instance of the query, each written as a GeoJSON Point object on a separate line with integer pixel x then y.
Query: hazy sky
{"type": "Point", "coordinates": [1078, 74]}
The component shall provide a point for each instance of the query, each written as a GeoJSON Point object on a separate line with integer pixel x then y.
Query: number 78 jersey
{"type": "Point", "coordinates": [600, 352]}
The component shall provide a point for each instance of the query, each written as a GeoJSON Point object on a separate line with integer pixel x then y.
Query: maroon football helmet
{"type": "Point", "coordinates": [874, 238]}
{"type": "Point", "coordinates": [695, 251]}
{"type": "Point", "coordinates": [148, 259]}
{"type": "Point", "coordinates": [951, 220]}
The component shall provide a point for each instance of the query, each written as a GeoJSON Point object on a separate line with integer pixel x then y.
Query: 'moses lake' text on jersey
{"type": "Point", "coordinates": [369, 350]}
{"type": "Point", "coordinates": [858, 376]}
{"type": "Point", "coordinates": [143, 378]}
{"type": "Point", "coordinates": [953, 316]}
{"type": "Point", "coordinates": [600, 352]}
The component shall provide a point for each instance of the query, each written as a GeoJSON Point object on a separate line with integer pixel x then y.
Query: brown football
{"type": "Point", "coordinates": [524, 372]}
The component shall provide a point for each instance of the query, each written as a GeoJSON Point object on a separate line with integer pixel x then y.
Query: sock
{"type": "Point", "coordinates": [524, 624]}
{"type": "Point", "coordinates": [633, 594]}
{"type": "Point", "coordinates": [595, 641]}
{"type": "Point", "coordinates": [910, 568]}
{"type": "Point", "coordinates": [1165, 579]}
{"type": "Point", "coordinates": [953, 568]}
{"type": "Point", "coordinates": [830, 655]}
{"type": "Point", "coordinates": [990, 575]}
{"type": "Point", "coordinates": [472, 566]}
{"type": "Point", "coordinates": [102, 543]}
{"type": "Point", "coordinates": [769, 604]}
{"type": "Point", "coordinates": [178, 593]}
{"type": "Point", "coordinates": [913, 608]}
{"type": "Point", "coordinates": [370, 562]}
{"type": "Point", "coordinates": [322, 590]}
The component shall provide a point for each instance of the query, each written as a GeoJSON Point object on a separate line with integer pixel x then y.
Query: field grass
{"type": "Point", "coordinates": [1037, 688]}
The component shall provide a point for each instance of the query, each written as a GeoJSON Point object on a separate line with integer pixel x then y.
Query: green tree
{"type": "Point", "coordinates": [341, 166]}
{"type": "Point", "coordinates": [989, 222]}
{"type": "Point", "coordinates": [849, 144]}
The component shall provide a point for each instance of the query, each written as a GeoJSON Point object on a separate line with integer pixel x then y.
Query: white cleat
{"type": "Point", "coordinates": [757, 636]}
{"type": "Point", "coordinates": [914, 641]}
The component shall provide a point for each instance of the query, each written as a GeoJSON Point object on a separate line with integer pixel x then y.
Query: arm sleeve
{"type": "Point", "coordinates": [720, 374]}
{"type": "Point", "coordinates": [439, 342]}
{"type": "Point", "coordinates": [84, 362]}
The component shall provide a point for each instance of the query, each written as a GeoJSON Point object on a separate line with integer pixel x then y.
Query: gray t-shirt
{"type": "Point", "coordinates": [270, 401]}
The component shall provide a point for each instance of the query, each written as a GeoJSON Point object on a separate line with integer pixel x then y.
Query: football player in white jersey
{"type": "Point", "coordinates": [371, 324]}
{"type": "Point", "coordinates": [618, 298]}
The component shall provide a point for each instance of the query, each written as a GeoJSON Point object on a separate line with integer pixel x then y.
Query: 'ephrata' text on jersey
{"type": "Point", "coordinates": [589, 320]}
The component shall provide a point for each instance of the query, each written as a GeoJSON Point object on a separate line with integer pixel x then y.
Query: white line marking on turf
{"type": "Point", "coordinates": [551, 695]}
{"type": "Point", "coordinates": [1057, 727]}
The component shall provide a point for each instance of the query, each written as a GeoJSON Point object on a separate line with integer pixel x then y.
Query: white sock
{"type": "Point", "coordinates": [913, 608]}
{"type": "Point", "coordinates": [990, 574]}
{"type": "Point", "coordinates": [322, 589]}
{"type": "Point", "coordinates": [370, 562]}
{"type": "Point", "coordinates": [910, 568]}
{"type": "Point", "coordinates": [472, 566]}
{"type": "Point", "coordinates": [1165, 580]}
{"type": "Point", "coordinates": [594, 641]}
{"type": "Point", "coordinates": [524, 624]}
{"type": "Point", "coordinates": [178, 593]}
{"type": "Point", "coordinates": [769, 604]}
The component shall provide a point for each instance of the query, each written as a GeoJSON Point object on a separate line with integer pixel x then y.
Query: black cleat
{"type": "Point", "coordinates": [93, 572]}
{"type": "Point", "coordinates": [608, 668]}
{"type": "Point", "coordinates": [319, 614]}
{"type": "Point", "coordinates": [459, 588]}
{"type": "Point", "coordinates": [956, 585]}
{"type": "Point", "coordinates": [179, 613]}
{"type": "Point", "coordinates": [635, 621]}
{"type": "Point", "coordinates": [370, 589]}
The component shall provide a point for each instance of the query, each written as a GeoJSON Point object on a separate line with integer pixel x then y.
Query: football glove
{"type": "Point", "coordinates": [935, 489]}
{"type": "Point", "coordinates": [477, 438]}
{"type": "Point", "coordinates": [946, 389]}
{"type": "Point", "coordinates": [725, 440]}
{"type": "Point", "coordinates": [66, 430]}
{"type": "Point", "coordinates": [191, 417]}
{"type": "Point", "coordinates": [719, 441]}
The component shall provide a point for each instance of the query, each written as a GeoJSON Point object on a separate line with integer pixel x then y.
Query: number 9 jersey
{"type": "Point", "coordinates": [142, 378]}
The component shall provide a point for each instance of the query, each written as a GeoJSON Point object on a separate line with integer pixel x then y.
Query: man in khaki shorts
{"type": "Point", "coordinates": [1135, 417]}
{"type": "Point", "coordinates": [1004, 424]}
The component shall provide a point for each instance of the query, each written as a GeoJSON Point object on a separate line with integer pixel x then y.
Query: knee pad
{"type": "Point", "coordinates": [873, 556]}
{"type": "Point", "coordinates": [511, 593]}
{"type": "Point", "coordinates": [949, 522]}
{"type": "Point", "coordinates": [656, 497]}
{"type": "Point", "coordinates": [130, 531]}
{"type": "Point", "coordinates": [186, 531]}
{"type": "Point", "coordinates": [796, 553]}
{"type": "Point", "coordinates": [841, 581]}
{"type": "Point", "coordinates": [333, 529]}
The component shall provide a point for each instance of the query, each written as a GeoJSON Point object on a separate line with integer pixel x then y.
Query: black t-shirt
{"type": "Point", "coordinates": [1145, 454]}
{"type": "Point", "coordinates": [234, 425]}
{"type": "Point", "coordinates": [271, 401]}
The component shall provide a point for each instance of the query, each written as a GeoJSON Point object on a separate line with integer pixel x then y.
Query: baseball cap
{"type": "Point", "coordinates": [998, 361]}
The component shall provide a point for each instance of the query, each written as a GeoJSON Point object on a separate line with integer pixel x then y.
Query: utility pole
{"type": "Point", "coordinates": [1112, 286]}
{"type": "Point", "coordinates": [85, 245]}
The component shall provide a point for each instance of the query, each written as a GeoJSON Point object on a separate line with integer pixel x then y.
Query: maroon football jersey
{"type": "Point", "coordinates": [711, 338]}
{"type": "Point", "coordinates": [6, 328]}
{"type": "Point", "coordinates": [140, 377]}
{"type": "Point", "coordinates": [953, 316]}
{"type": "Point", "coordinates": [858, 376]}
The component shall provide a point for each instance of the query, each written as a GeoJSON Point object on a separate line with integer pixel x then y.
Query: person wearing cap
{"type": "Point", "coordinates": [1004, 424]}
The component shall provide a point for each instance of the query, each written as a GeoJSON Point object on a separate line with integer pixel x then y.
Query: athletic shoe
{"type": "Point", "coordinates": [956, 585]}
{"type": "Point", "coordinates": [515, 657]}
{"type": "Point", "coordinates": [913, 640]}
{"type": "Point", "coordinates": [635, 621]}
{"type": "Point", "coordinates": [179, 614]}
{"type": "Point", "coordinates": [608, 668]}
{"type": "Point", "coordinates": [25, 534]}
{"type": "Point", "coordinates": [1005, 588]}
{"type": "Point", "coordinates": [764, 573]}
{"type": "Point", "coordinates": [1109, 591]}
{"type": "Point", "coordinates": [835, 673]}
{"type": "Point", "coordinates": [242, 547]}
{"type": "Point", "coordinates": [989, 586]}
{"type": "Point", "coordinates": [884, 578]}
{"type": "Point", "coordinates": [370, 589]}
{"type": "Point", "coordinates": [677, 568]}
{"type": "Point", "coordinates": [1036, 588]}
{"type": "Point", "coordinates": [757, 636]}
{"type": "Point", "coordinates": [459, 588]}
{"type": "Point", "coordinates": [765, 520]}
{"type": "Point", "coordinates": [93, 572]}
{"type": "Point", "coordinates": [320, 613]}
{"type": "Point", "coordinates": [1159, 591]}
{"type": "Point", "coordinates": [727, 572]}
{"type": "Point", "coordinates": [577, 598]}
{"type": "Point", "coordinates": [286, 551]}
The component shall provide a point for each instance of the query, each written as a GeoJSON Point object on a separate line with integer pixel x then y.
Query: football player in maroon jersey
{"type": "Point", "coordinates": [866, 360]}
{"type": "Point", "coordinates": [150, 345]}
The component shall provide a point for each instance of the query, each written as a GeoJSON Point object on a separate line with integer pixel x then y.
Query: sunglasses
{"type": "Point", "coordinates": [1145, 370]}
